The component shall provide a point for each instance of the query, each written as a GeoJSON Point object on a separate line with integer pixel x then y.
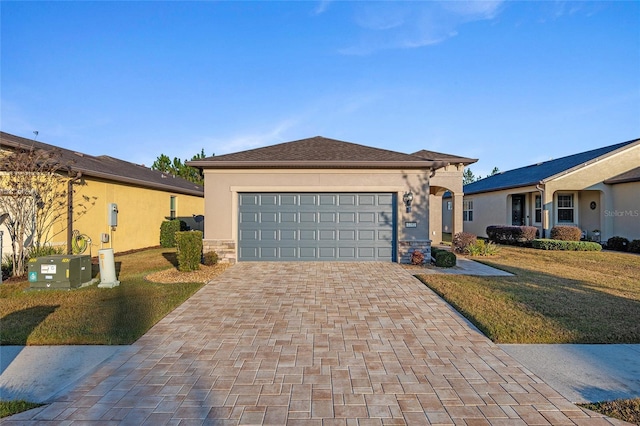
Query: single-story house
{"type": "Point", "coordinates": [107, 190]}
{"type": "Point", "coordinates": [597, 191]}
{"type": "Point", "coordinates": [323, 199]}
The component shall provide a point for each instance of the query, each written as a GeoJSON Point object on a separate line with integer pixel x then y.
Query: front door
{"type": "Point", "coordinates": [517, 210]}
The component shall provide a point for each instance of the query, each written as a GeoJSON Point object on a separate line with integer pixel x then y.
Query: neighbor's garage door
{"type": "Point", "coordinates": [317, 226]}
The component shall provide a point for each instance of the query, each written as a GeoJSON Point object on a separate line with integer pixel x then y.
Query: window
{"type": "Point", "coordinates": [565, 208]}
{"type": "Point", "coordinates": [172, 207]}
{"type": "Point", "coordinates": [467, 210]}
{"type": "Point", "coordinates": [449, 205]}
{"type": "Point", "coordinates": [538, 209]}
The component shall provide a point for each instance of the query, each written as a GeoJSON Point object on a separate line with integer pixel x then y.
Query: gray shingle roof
{"type": "Point", "coordinates": [317, 152]}
{"type": "Point", "coordinates": [630, 176]}
{"type": "Point", "coordinates": [536, 173]}
{"type": "Point", "coordinates": [109, 168]}
{"type": "Point", "coordinates": [439, 156]}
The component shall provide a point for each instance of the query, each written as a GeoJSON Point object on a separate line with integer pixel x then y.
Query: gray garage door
{"type": "Point", "coordinates": [317, 226]}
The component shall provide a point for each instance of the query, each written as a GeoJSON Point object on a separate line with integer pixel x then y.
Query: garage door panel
{"type": "Point", "coordinates": [288, 200]}
{"type": "Point", "coordinates": [366, 217]}
{"type": "Point", "coordinates": [288, 235]}
{"type": "Point", "coordinates": [347, 217]}
{"type": "Point", "coordinates": [320, 226]}
{"type": "Point", "coordinates": [249, 217]}
{"type": "Point", "coordinates": [307, 217]}
{"type": "Point", "coordinates": [308, 200]}
{"type": "Point", "coordinates": [268, 217]}
{"type": "Point", "coordinates": [288, 217]}
{"type": "Point", "coordinates": [366, 200]}
{"type": "Point", "coordinates": [248, 200]}
{"type": "Point", "coordinates": [328, 200]}
{"type": "Point", "coordinates": [327, 235]}
{"type": "Point", "coordinates": [347, 200]}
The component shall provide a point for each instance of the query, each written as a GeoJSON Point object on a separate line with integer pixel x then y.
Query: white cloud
{"type": "Point", "coordinates": [243, 142]}
{"type": "Point", "coordinates": [322, 7]}
{"type": "Point", "coordinates": [392, 25]}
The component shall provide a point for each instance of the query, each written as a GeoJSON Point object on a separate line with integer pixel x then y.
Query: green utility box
{"type": "Point", "coordinates": [59, 271]}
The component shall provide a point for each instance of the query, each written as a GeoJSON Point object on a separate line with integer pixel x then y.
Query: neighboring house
{"type": "Point", "coordinates": [597, 191]}
{"type": "Point", "coordinates": [323, 199]}
{"type": "Point", "coordinates": [144, 198]}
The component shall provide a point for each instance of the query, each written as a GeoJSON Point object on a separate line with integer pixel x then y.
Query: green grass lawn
{"type": "Point", "coordinates": [554, 297]}
{"type": "Point", "coordinates": [92, 315]}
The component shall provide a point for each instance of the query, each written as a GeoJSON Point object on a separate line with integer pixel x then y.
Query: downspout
{"type": "Point", "coordinates": [70, 183]}
{"type": "Point", "coordinates": [544, 216]}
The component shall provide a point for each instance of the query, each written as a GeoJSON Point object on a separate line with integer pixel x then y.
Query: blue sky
{"type": "Point", "coordinates": [510, 83]}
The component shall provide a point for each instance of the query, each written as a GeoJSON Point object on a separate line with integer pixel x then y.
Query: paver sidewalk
{"type": "Point", "coordinates": [313, 344]}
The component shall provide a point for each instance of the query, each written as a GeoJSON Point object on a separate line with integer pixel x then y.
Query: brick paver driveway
{"type": "Point", "coordinates": [314, 343]}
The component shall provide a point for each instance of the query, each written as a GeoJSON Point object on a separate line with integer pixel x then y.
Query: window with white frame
{"type": "Point", "coordinates": [467, 210]}
{"type": "Point", "coordinates": [565, 208]}
{"type": "Point", "coordinates": [538, 209]}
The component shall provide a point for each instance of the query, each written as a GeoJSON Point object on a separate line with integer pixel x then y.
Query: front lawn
{"type": "Point", "coordinates": [554, 297]}
{"type": "Point", "coordinates": [92, 315]}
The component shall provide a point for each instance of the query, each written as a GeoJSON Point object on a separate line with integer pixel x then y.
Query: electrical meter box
{"type": "Point", "coordinates": [59, 271]}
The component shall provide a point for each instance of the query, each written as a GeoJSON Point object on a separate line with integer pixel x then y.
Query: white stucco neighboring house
{"type": "Point", "coordinates": [321, 199]}
{"type": "Point", "coordinates": [597, 191]}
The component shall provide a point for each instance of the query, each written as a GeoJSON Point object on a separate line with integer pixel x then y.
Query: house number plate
{"type": "Point", "coordinates": [411, 224]}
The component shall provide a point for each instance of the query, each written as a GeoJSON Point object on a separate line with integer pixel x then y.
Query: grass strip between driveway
{"type": "Point", "coordinates": [553, 297]}
{"type": "Point", "coordinates": [92, 315]}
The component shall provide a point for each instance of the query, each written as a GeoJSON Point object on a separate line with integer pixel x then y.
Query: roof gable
{"type": "Point", "coordinates": [317, 151]}
{"type": "Point", "coordinates": [108, 168]}
{"type": "Point", "coordinates": [536, 173]}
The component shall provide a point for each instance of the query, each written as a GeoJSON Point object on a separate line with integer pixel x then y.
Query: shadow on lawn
{"type": "Point", "coordinates": [590, 314]}
{"type": "Point", "coordinates": [171, 257]}
{"type": "Point", "coordinates": [23, 322]}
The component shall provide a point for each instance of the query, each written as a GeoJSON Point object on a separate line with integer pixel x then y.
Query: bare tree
{"type": "Point", "coordinates": [33, 194]}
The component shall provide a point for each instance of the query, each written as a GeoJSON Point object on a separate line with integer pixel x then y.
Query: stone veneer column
{"type": "Point", "coordinates": [226, 249]}
{"type": "Point", "coordinates": [406, 248]}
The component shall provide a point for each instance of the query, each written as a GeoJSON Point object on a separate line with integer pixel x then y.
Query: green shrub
{"type": "Point", "coordinates": [547, 244]}
{"type": "Point", "coordinates": [443, 258]}
{"type": "Point", "coordinates": [514, 235]}
{"type": "Point", "coordinates": [566, 233]}
{"type": "Point", "coordinates": [480, 248]}
{"type": "Point", "coordinates": [168, 230]}
{"type": "Point", "coordinates": [618, 244]}
{"type": "Point", "coordinates": [634, 246]}
{"type": "Point", "coordinates": [462, 240]}
{"type": "Point", "coordinates": [46, 250]}
{"type": "Point", "coordinates": [189, 244]}
{"type": "Point", "coordinates": [210, 258]}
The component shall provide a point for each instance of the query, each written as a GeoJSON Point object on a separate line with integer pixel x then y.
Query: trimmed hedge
{"type": "Point", "coordinates": [462, 241]}
{"type": "Point", "coordinates": [443, 258]}
{"type": "Point", "coordinates": [634, 246]}
{"type": "Point", "coordinates": [168, 230]}
{"type": "Point", "coordinates": [566, 233]}
{"type": "Point", "coordinates": [618, 244]}
{"type": "Point", "coordinates": [515, 235]}
{"type": "Point", "coordinates": [547, 244]}
{"type": "Point", "coordinates": [189, 245]}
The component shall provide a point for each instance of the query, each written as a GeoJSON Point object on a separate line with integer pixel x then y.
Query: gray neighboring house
{"type": "Point", "coordinates": [320, 199]}
{"type": "Point", "coordinates": [597, 191]}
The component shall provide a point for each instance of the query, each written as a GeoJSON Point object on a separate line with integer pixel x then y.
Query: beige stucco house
{"type": "Point", "coordinates": [323, 199]}
{"type": "Point", "coordinates": [597, 191]}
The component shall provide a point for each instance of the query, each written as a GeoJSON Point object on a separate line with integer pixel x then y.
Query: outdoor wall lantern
{"type": "Point", "coordinates": [407, 198]}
